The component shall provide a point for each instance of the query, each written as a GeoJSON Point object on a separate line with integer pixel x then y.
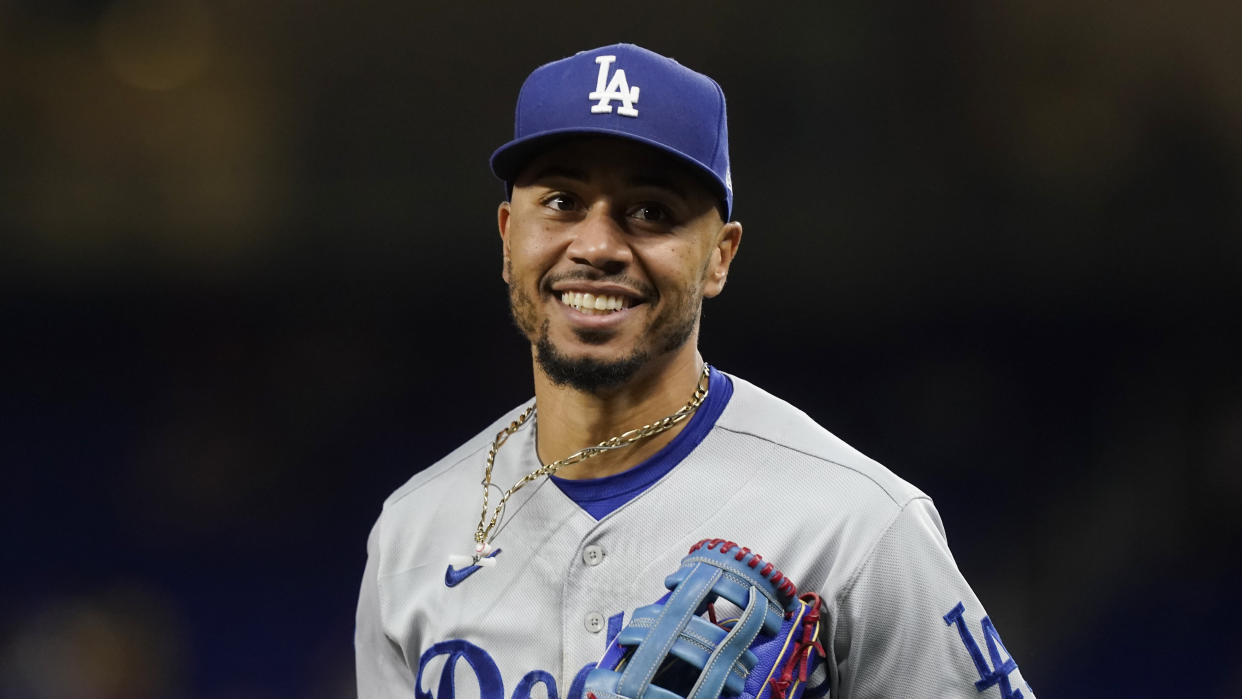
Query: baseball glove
{"type": "Point", "coordinates": [676, 648]}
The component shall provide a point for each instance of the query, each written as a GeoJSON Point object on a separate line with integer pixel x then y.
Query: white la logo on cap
{"type": "Point", "coordinates": [617, 89]}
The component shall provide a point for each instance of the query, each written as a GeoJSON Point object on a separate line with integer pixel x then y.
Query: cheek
{"type": "Point", "coordinates": [527, 254]}
{"type": "Point", "coordinates": [682, 266]}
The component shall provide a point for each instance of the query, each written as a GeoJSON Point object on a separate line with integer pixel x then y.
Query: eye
{"type": "Point", "coordinates": [559, 202]}
{"type": "Point", "coordinates": [651, 212]}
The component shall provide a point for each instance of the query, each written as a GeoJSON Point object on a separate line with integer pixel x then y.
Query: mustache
{"type": "Point", "coordinates": [587, 275]}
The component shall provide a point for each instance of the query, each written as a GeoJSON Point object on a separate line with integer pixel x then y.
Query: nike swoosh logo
{"type": "Point", "coordinates": [453, 577]}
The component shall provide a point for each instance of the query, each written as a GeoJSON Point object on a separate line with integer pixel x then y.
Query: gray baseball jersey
{"type": "Point", "coordinates": [900, 618]}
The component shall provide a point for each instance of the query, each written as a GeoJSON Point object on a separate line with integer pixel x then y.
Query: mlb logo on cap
{"type": "Point", "coordinates": [629, 92]}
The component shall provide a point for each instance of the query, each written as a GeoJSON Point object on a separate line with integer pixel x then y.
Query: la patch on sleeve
{"type": "Point", "coordinates": [1002, 663]}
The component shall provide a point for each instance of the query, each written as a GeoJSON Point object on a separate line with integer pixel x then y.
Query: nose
{"type": "Point", "coordinates": [599, 240]}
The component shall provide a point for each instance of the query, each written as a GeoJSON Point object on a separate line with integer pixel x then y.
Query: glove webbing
{"type": "Point", "coordinates": [669, 628]}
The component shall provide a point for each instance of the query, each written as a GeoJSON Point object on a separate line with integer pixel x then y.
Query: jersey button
{"type": "Point", "coordinates": [593, 555]}
{"type": "Point", "coordinates": [594, 622]}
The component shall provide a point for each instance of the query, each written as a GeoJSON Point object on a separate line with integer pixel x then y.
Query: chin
{"type": "Point", "coordinates": [587, 372]}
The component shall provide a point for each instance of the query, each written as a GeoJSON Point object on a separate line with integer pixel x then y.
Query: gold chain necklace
{"type": "Point", "coordinates": [483, 534]}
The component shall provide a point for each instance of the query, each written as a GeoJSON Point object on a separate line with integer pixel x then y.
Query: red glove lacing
{"type": "Point", "coordinates": [800, 658]}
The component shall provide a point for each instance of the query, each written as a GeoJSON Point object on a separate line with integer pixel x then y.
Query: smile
{"type": "Point", "coordinates": [591, 304]}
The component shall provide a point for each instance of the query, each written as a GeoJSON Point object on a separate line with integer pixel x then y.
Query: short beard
{"type": "Point", "coordinates": [591, 375]}
{"type": "Point", "coordinates": [585, 374]}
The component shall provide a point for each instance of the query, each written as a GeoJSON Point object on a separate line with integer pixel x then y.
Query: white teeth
{"type": "Point", "coordinates": [591, 304]}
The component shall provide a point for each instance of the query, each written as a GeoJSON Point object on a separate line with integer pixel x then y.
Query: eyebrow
{"type": "Point", "coordinates": [659, 182]}
{"type": "Point", "coordinates": [559, 171]}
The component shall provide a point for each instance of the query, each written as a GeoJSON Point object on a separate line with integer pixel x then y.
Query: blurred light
{"type": "Point", "coordinates": [128, 641]}
{"type": "Point", "coordinates": [156, 45]}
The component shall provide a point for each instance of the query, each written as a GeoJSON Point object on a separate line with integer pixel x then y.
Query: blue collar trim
{"type": "Point", "coordinates": [601, 496]}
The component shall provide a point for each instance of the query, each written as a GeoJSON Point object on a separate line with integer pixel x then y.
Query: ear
{"type": "Point", "coordinates": [502, 222]}
{"type": "Point", "coordinates": [727, 243]}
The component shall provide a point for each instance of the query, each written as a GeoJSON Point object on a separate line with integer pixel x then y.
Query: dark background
{"type": "Point", "coordinates": [250, 283]}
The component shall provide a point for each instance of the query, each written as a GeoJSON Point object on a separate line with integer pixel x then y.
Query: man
{"type": "Point", "coordinates": [617, 226]}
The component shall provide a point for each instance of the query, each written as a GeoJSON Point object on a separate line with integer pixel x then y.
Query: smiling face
{"type": "Point", "coordinates": [610, 247]}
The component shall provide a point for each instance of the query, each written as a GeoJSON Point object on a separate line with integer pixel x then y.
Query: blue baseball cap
{"type": "Point", "coordinates": [628, 92]}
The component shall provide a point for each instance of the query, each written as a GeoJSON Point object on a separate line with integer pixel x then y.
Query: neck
{"type": "Point", "coordinates": [570, 419]}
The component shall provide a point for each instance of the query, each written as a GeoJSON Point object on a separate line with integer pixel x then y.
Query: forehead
{"type": "Point", "coordinates": [600, 158]}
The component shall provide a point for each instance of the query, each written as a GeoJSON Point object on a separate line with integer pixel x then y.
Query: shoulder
{"type": "Point", "coordinates": [757, 416]}
{"type": "Point", "coordinates": [434, 505]}
{"type": "Point", "coordinates": [770, 477]}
